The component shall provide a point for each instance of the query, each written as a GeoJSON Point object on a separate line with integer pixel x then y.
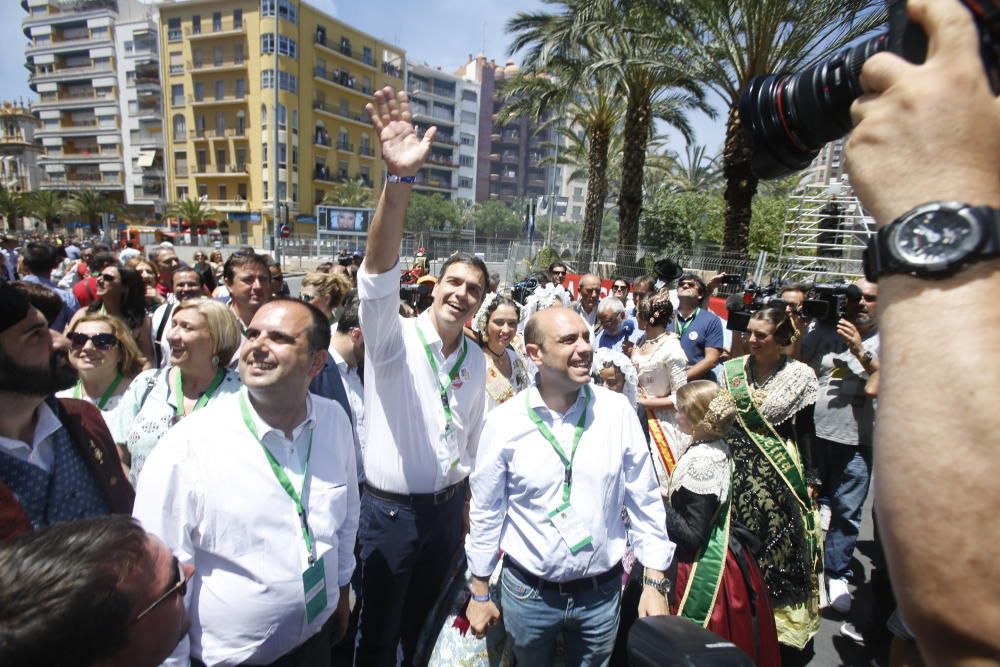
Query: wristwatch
{"type": "Point", "coordinates": [662, 586]}
{"type": "Point", "coordinates": [934, 240]}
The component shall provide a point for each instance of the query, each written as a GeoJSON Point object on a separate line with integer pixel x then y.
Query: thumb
{"type": "Point", "coordinates": [429, 136]}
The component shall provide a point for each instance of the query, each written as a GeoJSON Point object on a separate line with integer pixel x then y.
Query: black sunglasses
{"type": "Point", "coordinates": [102, 341]}
{"type": "Point", "coordinates": [180, 587]}
{"type": "Point", "coordinates": [618, 287]}
{"type": "Point", "coordinates": [106, 277]}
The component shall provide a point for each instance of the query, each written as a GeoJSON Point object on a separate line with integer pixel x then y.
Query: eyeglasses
{"type": "Point", "coordinates": [102, 341]}
{"type": "Point", "coordinates": [620, 288]}
{"type": "Point", "coordinates": [106, 277]}
{"type": "Point", "coordinates": [180, 587]}
{"type": "Point", "coordinates": [559, 273]}
{"type": "Point", "coordinates": [306, 297]}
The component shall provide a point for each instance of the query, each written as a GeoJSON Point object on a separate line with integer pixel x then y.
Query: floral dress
{"type": "Point", "coordinates": [662, 368]}
{"type": "Point", "coordinates": [498, 387]}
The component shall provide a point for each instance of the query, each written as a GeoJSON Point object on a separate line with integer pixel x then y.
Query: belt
{"type": "Point", "coordinates": [565, 587]}
{"type": "Point", "coordinates": [436, 498]}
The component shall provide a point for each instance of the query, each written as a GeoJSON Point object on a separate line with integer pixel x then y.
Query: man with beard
{"type": "Point", "coordinates": [844, 354]}
{"type": "Point", "coordinates": [57, 459]}
{"type": "Point", "coordinates": [425, 400]}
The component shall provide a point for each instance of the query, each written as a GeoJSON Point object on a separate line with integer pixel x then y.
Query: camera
{"type": "Point", "coordinates": [522, 290]}
{"type": "Point", "coordinates": [791, 116]}
{"type": "Point", "coordinates": [829, 301]}
{"type": "Point", "coordinates": [754, 298]}
{"type": "Point", "coordinates": [412, 294]}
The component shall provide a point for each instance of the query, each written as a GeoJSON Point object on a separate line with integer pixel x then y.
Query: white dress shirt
{"type": "Point", "coordinates": [209, 493]}
{"type": "Point", "coordinates": [356, 398]}
{"type": "Point", "coordinates": [38, 452]}
{"type": "Point", "coordinates": [405, 418]}
{"type": "Point", "coordinates": [518, 480]}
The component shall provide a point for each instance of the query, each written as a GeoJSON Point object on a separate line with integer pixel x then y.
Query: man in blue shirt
{"type": "Point", "coordinates": [699, 329]}
{"type": "Point", "coordinates": [39, 261]}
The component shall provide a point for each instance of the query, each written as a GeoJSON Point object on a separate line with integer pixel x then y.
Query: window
{"type": "Point", "coordinates": [196, 24]}
{"type": "Point", "coordinates": [286, 45]}
{"type": "Point", "coordinates": [282, 117]}
{"type": "Point", "coordinates": [241, 88]}
{"type": "Point", "coordinates": [216, 21]}
{"type": "Point", "coordinates": [469, 96]}
{"type": "Point", "coordinates": [295, 120]}
{"type": "Point", "coordinates": [367, 55]}
{"type": "Point", "coordinates": [177, 94]}
{"type": "Point", "coordinates": [287, 80]}
{"type": "Point", "coordinates": [295, 156]}
{"type": "Point", "coordinates": [220, 90]}
{"type": "Point", "coordinates": [263, 159]}
{"type": "Point", "coordinates": [295, 193]}
{"type": "Point", "coordinates": [176, 62]}
{"type": "Point", "coordinates": [286, 9]}
{"type": "Point", "coordinates": [468, 139]}
{"type": "Point", "coordinates": [199, 91]}
{"type": "Point", "coordinates": [237, 19]}
{"type": "Point", "coordinates": [174, 33]}
{"type": "Point", "coordinates": [465, 160]}
{"type": "Point", "coordinates": [577, 193]}
{"type": "Point", "coordinates": [218, 56]}
{"type": "Point", "coordinates": [180, 127]}
{"type": "Point", "coordinates": [464, 182]}
{"type": "Point", "coordinates": [576, 212]}
{"type": "Point", "coordinates": [238, 54]}
{"type": "Point", "coordinates": [220, 159]}
{"type": "Point", "coordinates": [220, 123]}
{"type": "Point", "coordinates": [267, 78]}
{"type": "Point", "coordinates": [223, 193]}
{"type": "Point", "coordinates": [468, 118]}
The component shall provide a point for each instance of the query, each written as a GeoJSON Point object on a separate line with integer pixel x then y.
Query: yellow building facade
{"type": "Point", "coordinates": [219, 78]}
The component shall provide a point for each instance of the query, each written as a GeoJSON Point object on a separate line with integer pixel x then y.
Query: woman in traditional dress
{"type": "Point", "coordinates": [495, 325]}
{"type": "Point", "coordinates": [106, 359]}
{"type": "Point", "coordinates": [772, 495]}
{"type": "Point", "coordinates": [662, 368]}
{"type": "Point", "coordinates": [718, 582]}
{"type": "Point", "coordinates": [615, 371]}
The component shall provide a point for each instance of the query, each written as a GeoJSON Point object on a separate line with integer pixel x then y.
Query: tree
{"type": "Point", "coordinates": [193, 211]}
{"type": "Point", "coordinates": [733, 41]}
{"type": "Point", "coordinates": [48, 206]}
{"type": "Point", "coordinates": [351, 194]}
{"type": "Point", "coordinates": [432, 213]}
{"type": "Point", "coordinates": [495, 219]}
{"type": "Point", "coordinates": [13, 207]}
{"type": "Point", "coordinates": [91, 205]}
{"type": "Point", "coordinates": [675, 221]}
{"type": "Point", "coordinates": [692, 172]}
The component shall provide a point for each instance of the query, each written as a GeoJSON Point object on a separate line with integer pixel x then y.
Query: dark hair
{"type": "Point", "coordinates": [621, 278]}
{"type": "Point", "coordinates": [61, 595]}
{"type": "Point", "coordinates": [644, 281]}
{"type": "Point", "coordinates": [40, 258]}
{"type": "Point", "coordinates": [348, 319]}
{"type": "Point", "coordinates": [133, 303]}
{"type": "Point", "coordinates": [784, 329]}
{"type": "Point", "coordinates": [42, 298]}
{"type": "Point", "coordinates": [319, 330]}
{"type": "Point", "coordinates": [543, 278]}
{"type": "Point", "coordinates": [497, 302]}
{"type": "Point", "coordinates": [656, 309]}
{"type": "Point", "coordinates": [102, 260]}
{"type": "Point", "coordinates": [553, 265]}
{"type": "Point", "coordinates": [240, 259]}
{"type": "Point", "coordinates": [470, 260]}
{"type": "Point", "coordinates": [702, 287]}
{"type": "Point", "coordinates": [184, 268]}
{"type": "Point", "coordinates": [792, 287]}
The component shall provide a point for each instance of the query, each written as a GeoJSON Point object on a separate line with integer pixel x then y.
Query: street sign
{"type": "Point", "coordinates": [286, 231]}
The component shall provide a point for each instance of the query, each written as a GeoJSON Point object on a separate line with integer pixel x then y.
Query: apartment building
{"type": "Point", "coordinates": [224, 59]}
{"type": "Point", "coordinates": [19, 150]}
{"type": "Point", "coordinates": [510, 155]}
{"type": "Point", "coordinates": [452, 104]}
{"type": "Point", "coordinates": [75, 66]}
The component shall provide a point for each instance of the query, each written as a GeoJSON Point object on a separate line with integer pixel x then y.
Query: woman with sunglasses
{"type": "Point", "coordinates": [122, 294]}
{"type": "Point", "coordinates": [106, 359]}
{"type": "Point", "coordinates": [203, 338]}
{"type": "Point", "coordinates": [325, 291]}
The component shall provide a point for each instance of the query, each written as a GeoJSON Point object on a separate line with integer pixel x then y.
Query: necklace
{"type": "Point", "coordinates": [654, 339]}
{"type": "Point", "coordinates": [496, 355]}
{"type": "Point", "coordinates": [753, 375]}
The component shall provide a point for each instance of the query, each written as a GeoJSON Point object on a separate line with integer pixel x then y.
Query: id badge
{"type": "Point", "coordinates": [448, 454]}
{"type": "Point", "coordinates": [314, 585]}
{"type": "Point", "coordinates": [570, 528]}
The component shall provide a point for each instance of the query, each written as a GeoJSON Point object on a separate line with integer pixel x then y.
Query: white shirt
{"type": "Point", "coordinates": [405, 417]}
{"type": "Point", "coordinates": [209, 493]}
{"type": "Point", "coordinates": [39, 453]}
{"type": "Point", "coordinates": [356, 399]}
{"type": "Point", "coordinates": [518, 480]}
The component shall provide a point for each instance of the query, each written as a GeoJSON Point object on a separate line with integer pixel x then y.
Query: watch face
{"type": "Point", "coordinates": [936, 238]}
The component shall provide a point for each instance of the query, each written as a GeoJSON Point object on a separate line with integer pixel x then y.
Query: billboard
{"type": "Point", "coordinates": [337, 220]}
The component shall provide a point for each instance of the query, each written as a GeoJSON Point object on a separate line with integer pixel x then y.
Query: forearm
{"type": "Point", "coordinates": [939, 551]}
{"type": "Point", "coordinates": [703, 367]}
{"type": "Point", "coordinates": [657, 402]}
{"type": "Point", "coordinates": [387, 228]}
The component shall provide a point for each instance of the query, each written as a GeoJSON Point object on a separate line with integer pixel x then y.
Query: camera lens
{"type": "Point", "coordinates": [791, 116]}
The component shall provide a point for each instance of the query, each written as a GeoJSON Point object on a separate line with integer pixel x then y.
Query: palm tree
{"type": "Point", "coordinates": [48, 206]}
{"type": "Point", "coordinates": [12, 207]}
{"type": "Point", "coordinates": [193, 211]}
{"type": "Point", "coordinates": [91, 205]}
{"type": "Point", "coordinates": [352, 194]}
{"type": "Point", "coordinates": [733, 41]}
{"type": "Point", "coordinates": [695, 171]}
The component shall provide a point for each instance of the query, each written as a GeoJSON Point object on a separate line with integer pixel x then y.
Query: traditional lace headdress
{"type": "Point", "coordinates": [543, 297]}
{"type": "Point", "coordinates": [483, 314]}
{"type": "Point", "coordinates": [604, 356]}
{"type": "Point", "coordinates": [719, 415]}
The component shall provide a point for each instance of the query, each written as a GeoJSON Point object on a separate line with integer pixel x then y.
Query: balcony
{"type": "Point", "coordinates": [78, 129]}
{"type": "Point", "coordinates": [79, 181]}
{"type": "Point", "coordinates": [75, 100]}
{"type": "Point", "coordinates": [392, 70]}
{"type": "Point", "coordinates": [71, 73]}
{"type": "Point", "coordinates": [225, 29]}
{"type": "Point", "coordinates": [323, 140]}
{"type": "Point", "coordinates": [345, 51]}
{"type": "Point", "coordinates": [508, 177]}
{"type": "Point", "coordinates": [85, 42]}
{"type": "Point", "coordinates": [366, 151]}
{"type": "Point", "coordinates": [82, 156]}
{"type": "Point", "coordinates": [226, 133]}
{"type": "Point", "coordinates": [422, 89]}
{"type": "Point", "coordinates": [14, 139]}
{"type": "Point", "coordinates": [494, 157]}
{"type": "Point", "coordinates": [222, 170]}
{"type": "Point", "coordinates": [55, 15]}
{"type": "Point", "coordinates": [508, 138]}
{"type": "Point", "coordinates": [226, 205]}
{"type": "Point", "coordinates": [216, 101]}
{"type": "Point", "coordinates": [438, 115]}
{"type": "Point", "coordinates": [340, 113]}
{"type": "Point", "coordinates": [324, 174]}
{"type": "Point", "coordinates": [345, 146]}
{"type": "Point", "coordinates": [432, 184]}
{"type": "Point", "coordinates": [442, 161]}
{"type": "Point", "coordinates": [232, 65]}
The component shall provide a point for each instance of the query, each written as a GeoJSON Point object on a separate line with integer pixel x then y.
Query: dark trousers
{"type": "Point", "coordinates": [405, 555]}
{"type": "Point", "coordinates": [314, 652]}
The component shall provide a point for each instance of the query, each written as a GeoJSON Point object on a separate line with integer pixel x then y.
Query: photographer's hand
{"type": "Point", "coordinates": [927, 132]}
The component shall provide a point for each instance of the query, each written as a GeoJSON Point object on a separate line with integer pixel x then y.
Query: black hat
{"type": "Point", "coordinates": [14, 305]}
{"type": "Point", "coordinates": [667, 269]}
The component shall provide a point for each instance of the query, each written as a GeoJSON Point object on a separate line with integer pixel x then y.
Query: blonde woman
{"type": "Point", "coordinates": [326, 291]}
{"type": "Point", "coordinates": [106, 359]}
{"type": "Point", "coordinates": [204, 335]}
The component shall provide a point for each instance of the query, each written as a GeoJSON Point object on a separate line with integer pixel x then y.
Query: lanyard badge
{"type": "Point", "coordinates": [448, 454]}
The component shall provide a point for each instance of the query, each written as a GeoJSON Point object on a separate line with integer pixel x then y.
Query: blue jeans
{"type": "Point", "coordinates": [848, 475]}
{"type": "Point", "coordinates": [533, 619]}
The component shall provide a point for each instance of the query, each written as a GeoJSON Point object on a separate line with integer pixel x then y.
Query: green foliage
{"type": "Point", "coordinates": [193, 211]}
{"type": "Point", "coordinates": [494, 219]}
{"type": "Point", "coordinates": [544, 257]}
{"type": "Point", "coordinates": [352, 194]}
{"type": "Point", "coordinates": [90, 205]}
{"type": "Point", "coordinates": [46, 205]}
{"type": "Point", "coordinates": [677, 221]}
{"type": "Point", "coordinates": [432, 213]}
{"type": "Point", "coordinates": [13, 207]}
{"type": "Point", "coordinates": [768, 222]}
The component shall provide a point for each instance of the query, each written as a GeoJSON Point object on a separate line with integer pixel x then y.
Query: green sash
{"type": "Point", "coordinates": [767, 440]}
{"type": "Point", "coordinates": [705, 578]}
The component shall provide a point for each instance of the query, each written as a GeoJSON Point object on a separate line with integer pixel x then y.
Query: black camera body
{"type": "Point", "coordinates": [791, 116]}
{"type": "Point", "coordinates": [828, 302]}
{"type": "Point", "coordinates": [754, 298]}
{"type": "Point", "coordinates": [412, 294]}
{"type": "Point", "coordinates": [522, 290]}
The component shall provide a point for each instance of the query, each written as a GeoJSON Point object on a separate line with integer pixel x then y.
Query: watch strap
{"type": "Point", "coordinates": [393, 178]}
{"type": "Point", "coordinates": [662, 586]}
{"type": "Point", "coordinates": [481, 598]}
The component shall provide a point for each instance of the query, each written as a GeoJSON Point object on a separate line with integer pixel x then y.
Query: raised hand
{"type": "Point", "coordinates": [402, 150]}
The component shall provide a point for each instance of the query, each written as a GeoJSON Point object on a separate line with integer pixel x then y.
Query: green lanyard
{"type": "Point", "coordinates": [202, 400]}
{"type": "Point", "coordinates": [453, 373]}
{"type": "Point", "coordinates": [105, 397]}
{"type": "Point", "coordinates": [286, 483]}
{"type": "Point", "coordinates": [567, 461]}
{"type": "Point", "coordinates": [681, 328]}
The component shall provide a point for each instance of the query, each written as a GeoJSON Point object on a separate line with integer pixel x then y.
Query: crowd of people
{"type": "Point", "coordinates": [197, 468]}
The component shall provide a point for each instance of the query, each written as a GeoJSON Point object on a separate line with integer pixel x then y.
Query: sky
{"type": "Point", "coordinates": [442, 33]}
